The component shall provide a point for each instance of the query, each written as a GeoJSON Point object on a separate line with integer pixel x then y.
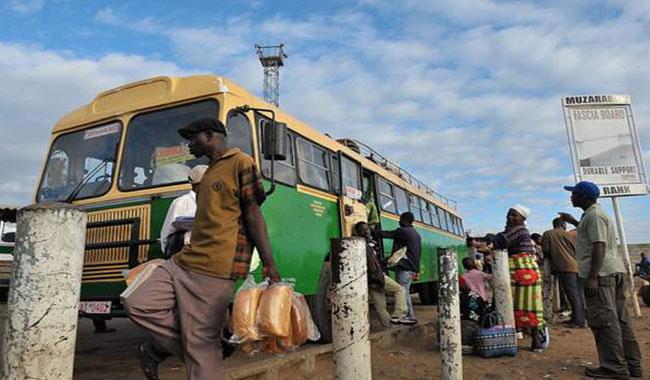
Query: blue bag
{"type": "Point", "coordinates": [494, 339]}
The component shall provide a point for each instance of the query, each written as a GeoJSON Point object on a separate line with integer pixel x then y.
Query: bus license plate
{"type": "Point", "coordinates": [95, 307]}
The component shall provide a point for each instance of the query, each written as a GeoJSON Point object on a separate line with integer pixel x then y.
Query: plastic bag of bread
{"type": "Point", "coordinates": [274, 312]}
{"type": "Point", "coordinates": [244, 311]}
{"type": "Point", "coordinates": [303, 327]}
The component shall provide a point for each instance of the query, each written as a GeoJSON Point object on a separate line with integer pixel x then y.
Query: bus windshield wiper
{"type": "Point", "coordinates": [86, 179]}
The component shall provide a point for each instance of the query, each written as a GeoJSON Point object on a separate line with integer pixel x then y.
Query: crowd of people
{"type": "Point", "coordinates": [588, 267]}
{"type": "Point", "coordinates": [184, 303]}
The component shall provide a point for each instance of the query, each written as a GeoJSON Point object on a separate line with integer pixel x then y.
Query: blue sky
{"type": "Point", "coordinates": [464, 93]}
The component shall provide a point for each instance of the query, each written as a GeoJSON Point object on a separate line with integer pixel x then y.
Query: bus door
{"type": "Point", "coordinates": [352, 210]}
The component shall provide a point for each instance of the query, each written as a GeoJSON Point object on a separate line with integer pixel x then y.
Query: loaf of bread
{"type": "Point", "coordinates": [274, 312]}
{"type": "Point", "coordinates": [244, 314]}
{"type": "Point", "coordinates": [300, 317]}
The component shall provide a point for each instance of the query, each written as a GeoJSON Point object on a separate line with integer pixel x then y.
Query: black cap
{"type": "Point", "coordinates": [205, 124]}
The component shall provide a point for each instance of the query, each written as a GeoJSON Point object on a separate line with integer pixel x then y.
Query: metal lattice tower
{"type": "Point", "coordinates": [271, 58]}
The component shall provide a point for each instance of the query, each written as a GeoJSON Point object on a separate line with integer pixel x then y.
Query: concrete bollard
{"type": "Point", "coordinates": [41, 326]}
{"type": "Point", "coordinates": [350, 324]}
{"type": "Point", "coordinates": [449, 316]}
{"type": "Point", "coordinates": [502, 289]}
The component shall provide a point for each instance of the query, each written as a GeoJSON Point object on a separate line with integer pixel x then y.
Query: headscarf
{"type": "Point", "coordinates": [521, 210]}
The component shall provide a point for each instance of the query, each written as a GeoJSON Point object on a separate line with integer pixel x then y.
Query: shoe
{"type": "Point", "coordinates": [149, 360]}
{"type": "Point", "coordinates": [604, 373]}
{"type": "Point", "coordinates": [407, 321]}
{"type": "Point", "coordinates": [544, 338]}
{"type": "Point", "coordinates": [636, 372]}
{"type": "Point", "coordinates": [572, 325]}
{"type": "Point", "coordinates": [395, 320]}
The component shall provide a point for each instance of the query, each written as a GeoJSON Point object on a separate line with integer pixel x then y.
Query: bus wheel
{"type": "Point", "coordinates": [645, 294]}
{"type": "Point", "coordinates": [428, 292]}
{"type": "Point", "coordinates": [321, 306]}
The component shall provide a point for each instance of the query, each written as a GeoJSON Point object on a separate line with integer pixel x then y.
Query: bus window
{"type": "Point", "coordinates": [336, 175]}
{"type": "Point", "coordinates": [77, 154]}
{"type": "Point", "coordinates": [441, 218]}
{"type": "Point", "coordinates": [239, 132]}
{"type": "Point", "coordinates": [386, 199]}
{"type": "Point", "coordinates": [448, 221]}
{"type": "Point", "coordinates": [460, 225]}
{"type": "Point", "coordinates": [155, 154]}
{"type": "Point", "coordinates": [426, 215]}
{"type": "Point", "coordinates": [7, 232]}
{"type": "Point", "coordinates": [433, 213]}
{"type": "Point", "coordinates": [313, 167]}
{"type": "Point", "coordinates": [285, 171]}
{"type": "Point", "coordinates": [414, 202]}
{"type": "Point", "coordinates": [401, 200]}
{"type": "Point", "coordinates": [351, 174]}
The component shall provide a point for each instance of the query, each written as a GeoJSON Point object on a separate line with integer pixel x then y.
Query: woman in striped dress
{"type": "Point", "coordinates": [525, 276]}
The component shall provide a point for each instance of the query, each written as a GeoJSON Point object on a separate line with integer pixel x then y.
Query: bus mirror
{"type": "Point", "coordinates": [275, 141]}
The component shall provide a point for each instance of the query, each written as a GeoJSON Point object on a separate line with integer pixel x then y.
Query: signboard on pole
{"type": "Point", "coordinates": [604, 144]}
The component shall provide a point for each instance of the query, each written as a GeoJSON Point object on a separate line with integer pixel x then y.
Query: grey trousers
{"type": "Point", "coordinates": [184, 312]}
{"type": "Point", "coordinates": [569, 282]}
{"type": "Point", "coordinates": [612, 324]}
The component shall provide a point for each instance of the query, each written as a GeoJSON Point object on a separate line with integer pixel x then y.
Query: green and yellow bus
{"type": "Point", "coordinates": [121, 159]}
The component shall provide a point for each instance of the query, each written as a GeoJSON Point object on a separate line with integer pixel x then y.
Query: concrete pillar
{"type": "Point", "coordinates": [502, 289]}
{"type": "Point", "coordinates": [41, 326]}
{"type": "Point", "coordinates": [449, 316]}
{"type": "Point", "coordinates": [350, 324]}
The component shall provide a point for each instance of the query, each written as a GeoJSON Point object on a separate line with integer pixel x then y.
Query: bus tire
{"type": "Point", "coordinates": [428, 292]}
{"type": "Point", "coordinates": [320, 304]}
{"type": "Point", "coordinates": [645, 294]}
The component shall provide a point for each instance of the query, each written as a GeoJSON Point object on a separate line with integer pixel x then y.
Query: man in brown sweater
{"type": "Point", "coordinates": [559, 247]}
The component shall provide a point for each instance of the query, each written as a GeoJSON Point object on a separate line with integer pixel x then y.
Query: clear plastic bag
{"type": "Point", "coordinates": [303, 327]}
{"type": "Point", "coordinates": [244, 311]}
{"type": "Point", "coordinates": [274, 312]}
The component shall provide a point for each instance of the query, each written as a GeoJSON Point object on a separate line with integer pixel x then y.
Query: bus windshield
{"type": "Point", "coordinates": [73, 156]}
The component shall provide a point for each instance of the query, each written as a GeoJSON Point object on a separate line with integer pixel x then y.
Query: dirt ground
{"type": "Point", "coordinates": [112, 355]}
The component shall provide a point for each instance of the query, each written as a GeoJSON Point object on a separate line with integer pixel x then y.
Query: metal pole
{"type": "Point", "coordinates": [449, 316]}
{"type": "Point", "coordinates": [626, 254]}
{"type": "Point", "coordinates": [350, 324]}
{"type": "Point", "coordinates": [41, 326]}
{"type": "Point", "coordinates": [502, 290]}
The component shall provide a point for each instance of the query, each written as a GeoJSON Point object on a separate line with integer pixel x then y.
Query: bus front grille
{"type": "Point", "coordinates": [107, 263]}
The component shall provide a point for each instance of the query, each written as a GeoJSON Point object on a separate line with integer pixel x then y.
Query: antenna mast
{"type": "Point", "coordinates": [271, 58]}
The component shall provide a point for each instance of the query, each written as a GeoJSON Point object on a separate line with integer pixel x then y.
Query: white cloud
{"type": "Point", "coordinates": [39, 87]}
{"type": "Point", "coordinates": [25, 6]}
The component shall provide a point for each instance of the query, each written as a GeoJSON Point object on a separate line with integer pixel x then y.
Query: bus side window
{"type": "Point", "coordinates": [239, 132]}
{"type": "Point", "coordinates": [414, 202]}
{"type": "Point", "coordinates": [336, 175]}
{"type": "Point", "coordinates": [448, 221]}
{"type": "Point", "coordinates": [434, 215]}
{"type": "Point", "coordinates": [424, 207]}
{"type": "Point", "coordinates": [285, 171]}
{"type": "Point", "coordinates": [351, 173]}
{"type": "Point", "coordinates": [386, 199]}
{"type": "Point", "coordinates": [401, 200]}
{"type": "Point", "coordinates": [313, 164]}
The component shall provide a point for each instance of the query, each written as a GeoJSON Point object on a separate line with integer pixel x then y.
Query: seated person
{"type": "Point", "coordinates": [172, 239]}
{"type": "Point", "coordinates": [379, 283]}
{"type": "Point", "coordinates": [643, 266]}
{"type": "Point", "coordinates": [475, 279]}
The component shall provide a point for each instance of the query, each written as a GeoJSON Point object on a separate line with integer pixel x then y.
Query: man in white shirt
{"type": "Point", "coordinates": [183, 206]}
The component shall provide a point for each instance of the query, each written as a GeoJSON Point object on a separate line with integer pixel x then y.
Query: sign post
{"type": "Point", "coordinates": [605, 150]}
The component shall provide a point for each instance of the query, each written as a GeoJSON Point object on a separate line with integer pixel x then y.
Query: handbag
{"type": "Point", "coordinates": [494, 339]}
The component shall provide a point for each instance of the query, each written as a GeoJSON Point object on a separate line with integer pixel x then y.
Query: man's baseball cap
{"type": "Point", "coordinates": [197, 173]}
{"type": "Point", "coordinates": [586, 189]}
{"type": "Point", "coordinates": [205, 124]}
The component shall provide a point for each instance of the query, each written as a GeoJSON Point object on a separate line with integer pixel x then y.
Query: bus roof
{"type": "Point", "coordinates": [163, 90]}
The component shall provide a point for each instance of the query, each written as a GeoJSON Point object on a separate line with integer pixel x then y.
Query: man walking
{"type": "Point", "coordinates": [408, 267]}
{"type": "Point", "coordinates": [184, 302]}
{"type": "Point", "coordinates": [604, 280]}
{"type": "Point", "coordinates": [559, 247]}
